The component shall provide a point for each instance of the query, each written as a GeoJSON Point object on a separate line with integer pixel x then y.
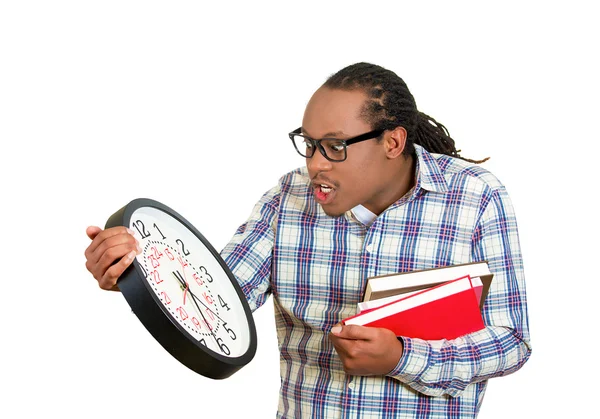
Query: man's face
{"type": "Point", "coordinates": [364, 176]}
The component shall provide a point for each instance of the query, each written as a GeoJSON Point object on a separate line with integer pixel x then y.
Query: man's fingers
{"type": "Point", "coordinates": [103, 244]}
{"type": "Point", "coordinates": [112, 274]}
{"type": "Point", "coordinates": [104, 235]}
{"type": "Point", "coordinates": [92, 231]}
{"type": "Point", "coordinates": [110, 253]}
{"type": "Point", "coordinates": [110, 256]}
{"type": "Point", "coordinates": [352, 331]}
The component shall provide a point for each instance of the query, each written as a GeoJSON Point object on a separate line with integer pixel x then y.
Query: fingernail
{"type": "Point", "coordinates": [138, 248]}
{"type": "Point", "coordinates": [130, 231]}
{"type": "Point", "coordinates": [130, 256]}
{"type": "Point", "coordinates": [336, 329]}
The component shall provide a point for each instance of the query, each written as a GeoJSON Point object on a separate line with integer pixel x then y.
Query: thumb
{"type": "Point", "coordinates": [337, 329]}
{"type": "Point", "coordinates": [92, 231]}
{"type": "Point", "coordinates": [351, 331]}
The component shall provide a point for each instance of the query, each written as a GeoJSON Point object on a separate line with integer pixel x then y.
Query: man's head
{"type": "Point", "coordinates": [378, 171]}
{"type": "Point", "coordinates": [389, 103]}
{"type": "Point", "coordinates": [356, 100]}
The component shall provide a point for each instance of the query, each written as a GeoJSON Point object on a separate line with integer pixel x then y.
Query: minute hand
{"type": "Point", "coordinates": [195, 298]}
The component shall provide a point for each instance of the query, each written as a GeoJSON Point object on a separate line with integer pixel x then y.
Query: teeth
{"type": "Point", "coordinates": [325, 189]}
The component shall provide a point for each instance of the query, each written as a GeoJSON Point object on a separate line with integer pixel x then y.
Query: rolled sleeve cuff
{"type": "Point", "coordinates": [414, 360]}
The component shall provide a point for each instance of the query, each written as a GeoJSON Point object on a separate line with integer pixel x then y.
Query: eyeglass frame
{"type": "Point", "coordinates": [346, 142]}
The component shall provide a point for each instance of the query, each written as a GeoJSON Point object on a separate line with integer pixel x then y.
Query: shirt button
{"type": "Point", "coordinates": [351, 386]}
{"type": "Point", "coordinates": [370, 247]}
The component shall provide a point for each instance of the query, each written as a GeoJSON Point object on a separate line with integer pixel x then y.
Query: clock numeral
{"type": "Point", "coordinates": [156, 227]}
{"type": "Point", "coordinates": [169, 254]}
{"type": "Point", "coordinates": [210, 314]}
{"type": "Point", "coordinates": [182, 262]}
{"type": "Point", "coordinates": [207, 298]}
{"type": "Point", "coordinates": [165, 298]}
{"type": "Point", "coordinates": [205, 275]}
{"type": "Point", "coordinates": [156, 276]}
{"type": "Point", "coordinates": [196, 323]}
{"type": "Point", "coordinates": [223, 303]}
{"type": "Point", "coordinates": [153, 261]}
{"type": "Point", "coordinates": [223, 347]}
{"type": "Point", "coordinates": [156, 252]}
{"type": "Point", "coordinates": [199, 281]}
{"type": "Point", "coordinates": [183, 249]}
{"type": "Point", "coordinates": [182, 313]}
{"type": "Point", "coordinates": [230, 331]}
{"type": "Point", "coordinates": [139, 226]}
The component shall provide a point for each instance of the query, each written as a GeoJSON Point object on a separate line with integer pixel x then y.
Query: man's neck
{"type": "Point", "coordinates": [399, 183]}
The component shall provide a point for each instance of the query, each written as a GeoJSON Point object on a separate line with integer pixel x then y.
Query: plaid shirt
{"type": "Point", "coordinates": [316, 267]}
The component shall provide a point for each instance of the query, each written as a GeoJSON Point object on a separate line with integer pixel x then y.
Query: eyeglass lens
{"type": "Point", "coordinates": [334, 149]}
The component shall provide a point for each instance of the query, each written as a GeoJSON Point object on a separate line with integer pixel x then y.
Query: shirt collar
{"type": "Point", "coordinates": [363, 215]}
{"type": "Point", "coordinates": [429, 174]}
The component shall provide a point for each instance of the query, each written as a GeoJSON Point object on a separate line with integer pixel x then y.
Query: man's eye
{"type": "Point", "coordinates": [336, 147]}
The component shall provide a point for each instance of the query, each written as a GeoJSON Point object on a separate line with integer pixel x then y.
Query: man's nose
{"type": "Point", "coordinates": [318, 162]}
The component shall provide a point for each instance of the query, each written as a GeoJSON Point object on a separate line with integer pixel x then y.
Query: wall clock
{"type": "Point", "coordinates": [183, 293]}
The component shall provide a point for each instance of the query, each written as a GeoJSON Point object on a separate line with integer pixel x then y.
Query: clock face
{"type": "Point", "coordinates": [188, 282]}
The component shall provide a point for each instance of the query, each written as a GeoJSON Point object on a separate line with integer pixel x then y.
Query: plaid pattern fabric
{"type": "Point", "coordinates": [316, 266]}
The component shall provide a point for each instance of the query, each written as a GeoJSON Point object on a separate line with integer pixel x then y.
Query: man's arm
{"type": "Point", "coordinates": [249, 253]}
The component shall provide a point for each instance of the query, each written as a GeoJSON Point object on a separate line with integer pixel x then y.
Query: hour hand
{"type": "Point", "coordinates": [180, 278]}
{"type": "Point", "coordinates": [195, 298]}
{"type": "Point", "coordinates": [182, 282]}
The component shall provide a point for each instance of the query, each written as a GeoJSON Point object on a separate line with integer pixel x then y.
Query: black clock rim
{"type": "Point", "coordinates": [160, 323]}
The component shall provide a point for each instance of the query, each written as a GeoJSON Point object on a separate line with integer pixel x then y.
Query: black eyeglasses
{"type": "Point", "coordinates": [333, 149]}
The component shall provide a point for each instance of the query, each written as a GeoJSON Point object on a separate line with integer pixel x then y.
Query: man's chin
{"type": "Point", "coordinates": [333, 212]}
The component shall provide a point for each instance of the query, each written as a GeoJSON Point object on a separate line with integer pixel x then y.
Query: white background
{"type": "Point", "coordinates": [190, 104]}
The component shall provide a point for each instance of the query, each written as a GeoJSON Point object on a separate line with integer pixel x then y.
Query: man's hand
{"type": "Point", "coordinates": [110, 253]}
{"type": "Point", "coordinates": [366, 350]}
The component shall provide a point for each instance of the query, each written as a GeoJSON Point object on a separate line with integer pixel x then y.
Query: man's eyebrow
{"type": "Point", "coordinates": [332, 134]}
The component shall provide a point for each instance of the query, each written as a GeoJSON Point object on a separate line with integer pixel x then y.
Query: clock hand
{"type": "Point", "coordinates": [182, 281]}
{"type": "Point", "coordinates": [186, 286]}
{"type": "Point", "coordinates": [195, 297]}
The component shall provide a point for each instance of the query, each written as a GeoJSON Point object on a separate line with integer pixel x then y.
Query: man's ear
{"type": "Point", "coordinates": [395, 142]}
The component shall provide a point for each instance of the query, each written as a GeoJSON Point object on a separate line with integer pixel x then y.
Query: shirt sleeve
{"type": "Point", "coordinates": [249, 253]}
{"type": "Point", "coordinates": [447, 367]}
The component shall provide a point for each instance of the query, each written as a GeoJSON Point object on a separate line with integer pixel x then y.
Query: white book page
{"type": "Point", "coordinates": [365, 305]}
{"type": "Point", "coordinates": [427, 276]}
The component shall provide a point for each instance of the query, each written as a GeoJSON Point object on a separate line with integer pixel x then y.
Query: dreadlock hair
{"type": "Point", "coordinates": [391, 105]}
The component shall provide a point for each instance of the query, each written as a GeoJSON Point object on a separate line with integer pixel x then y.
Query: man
{"type": "Point", "coordinates": [384, 191]}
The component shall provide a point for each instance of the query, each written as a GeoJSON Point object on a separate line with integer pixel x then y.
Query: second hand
{"type": "Point", "coordinates": [185, 285]}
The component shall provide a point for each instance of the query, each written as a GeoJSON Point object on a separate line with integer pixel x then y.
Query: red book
{"type": "Point", "coordinates": [446, 311]}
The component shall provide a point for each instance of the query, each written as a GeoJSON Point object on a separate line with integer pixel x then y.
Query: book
{"type": "Point", "coordinates": [404, 282]}
{"type": "Point", "coordinates": [444, 311]}
{"type": "Point", "coordinates": [367, 305]}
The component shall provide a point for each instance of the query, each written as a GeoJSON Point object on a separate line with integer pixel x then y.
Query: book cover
{"type": "Point", "coordinates": [445, 311]}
